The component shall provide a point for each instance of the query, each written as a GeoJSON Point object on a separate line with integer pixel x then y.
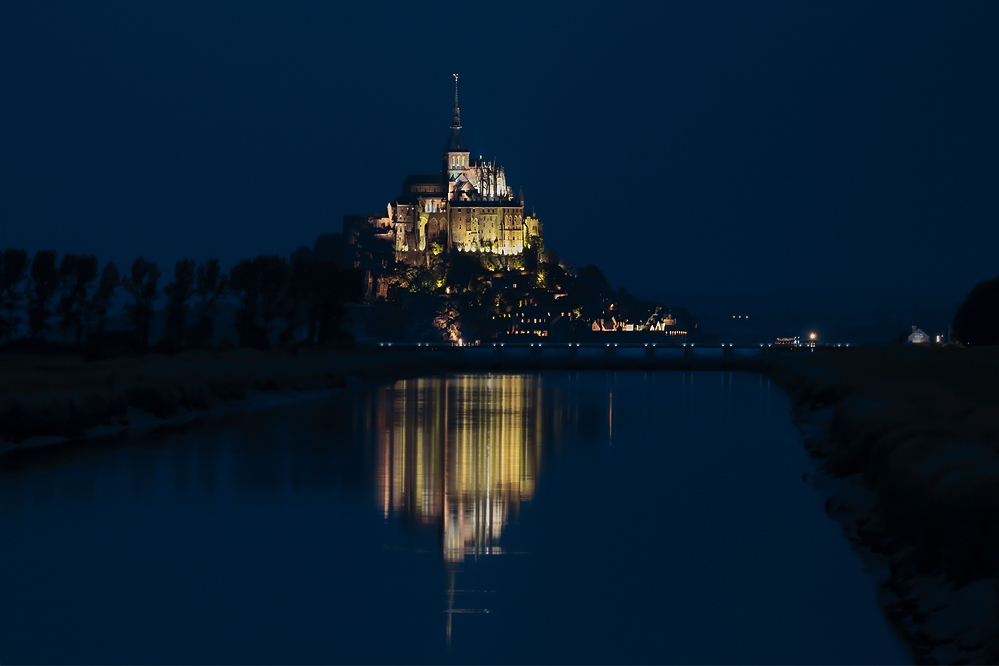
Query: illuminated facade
{"type": "Point", "coordinates": [468, 207]}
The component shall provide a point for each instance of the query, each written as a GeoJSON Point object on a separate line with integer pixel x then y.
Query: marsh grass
{"type": "Point", "coordinates": [63, 395]}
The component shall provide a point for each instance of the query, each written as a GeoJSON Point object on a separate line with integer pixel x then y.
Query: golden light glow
{"type": "Point", "coordinates": [461, 452]}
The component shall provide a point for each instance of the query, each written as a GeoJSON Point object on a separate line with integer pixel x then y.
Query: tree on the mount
{"type": "Point", "coordinates": [100, 302]}
{"type": "Point", "coordinates": [374, 255]}
{"type": "Point", "coordinates": [977, 319]}
{"type": "Point", "coordinates": [178, 293]}
{"type": "Point", "coordinates": [447, 320]}
{"type": "Point", "coordinates": [330, 289]}
{"type": "Point", "coordinates": [328, 247]}
{"type": "Point", "coordinates": [211, 285]}
{"type": "Point", "coordinates": [464, 271]}
{"type": "Point", "coordinates": [76, 274]}
{"type": "Point", "coordinates": [41, 289]}
{"type": "Point", "coordinates": [13, 269]}
{"type": "Point", "coordinates": [142, 286]}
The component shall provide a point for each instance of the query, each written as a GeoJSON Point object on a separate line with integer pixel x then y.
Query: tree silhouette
{"type": "Point", "coordinates": [97, 309]}
{"type": "Point", "coordinates": [329, 247]}
{"type": "Point", "coordinates": [141, 285]}
{"type": "Point", "coordinates": [976, 321]}
{"type": "Point", "coordinates": [329, 291]}
{"type": "Point", "coordinates": [464, 270]}
{"type": "Point", "coordinates": [178, 293]}
{"type": "Point", "coordinates": [76, 274]}
{"type": "Point", "coordinates": [244, 281]}
{"type": "Point", "coordinates": [273, 280]}
{"type": "Point", "coordinates": [296, 292]}
{"type": "Point", "coordinates": [44, 282]}
{"type": "Point", "coordinates": [212, 283]}
{"type": "Point", "coordinates": [373, 254]}
{"type": "Point", "coordinates": [260, 285]}
{"type": "Point", "coordinates": [13, 269]}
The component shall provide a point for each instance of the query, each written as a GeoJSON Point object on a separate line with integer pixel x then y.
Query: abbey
{"type": "Point", "coordinates": [468, 207]}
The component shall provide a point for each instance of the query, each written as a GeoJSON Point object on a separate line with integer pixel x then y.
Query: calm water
{"type": "Point", "coordinates": [549, 517]}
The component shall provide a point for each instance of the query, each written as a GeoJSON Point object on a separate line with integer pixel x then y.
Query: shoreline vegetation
{"type": "Point", "coordinates": [906, 442]}
{"type": "Point", "coordinates": [55, 398]}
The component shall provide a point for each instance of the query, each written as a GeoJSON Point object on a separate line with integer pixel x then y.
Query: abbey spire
{"type": "Point", "coordinates": [455, 159]}
{"type": "Point", "coordinates": [456, 123]}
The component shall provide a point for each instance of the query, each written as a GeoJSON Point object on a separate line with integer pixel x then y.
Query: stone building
{"type": "Point", "coordinates": [468, 207]}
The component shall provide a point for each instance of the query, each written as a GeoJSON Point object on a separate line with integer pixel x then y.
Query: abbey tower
{"type": "Point", "coordinates": [467, 207]}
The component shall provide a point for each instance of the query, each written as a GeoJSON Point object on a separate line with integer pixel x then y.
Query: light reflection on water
{"type": "Point", "coordinates": [462, 453]}
{"type": "Point", "coordinates": [597, 517]}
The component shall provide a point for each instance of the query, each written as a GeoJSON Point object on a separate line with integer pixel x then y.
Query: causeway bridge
{"type": "Point", "coordinates": [608, 355]}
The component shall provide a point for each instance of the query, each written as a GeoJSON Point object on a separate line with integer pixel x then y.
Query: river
{"type": "Point", "coordinates": [542, 518]}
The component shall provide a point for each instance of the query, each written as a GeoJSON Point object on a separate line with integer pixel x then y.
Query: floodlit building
{"type": "Point", "coordinates": [918, 337]}
{"type": "Point", "coordinates": [467, 207]}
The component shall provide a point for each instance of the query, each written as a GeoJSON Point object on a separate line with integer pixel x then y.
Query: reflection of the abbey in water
{"type": "Point", "coordinates": [461, 453]}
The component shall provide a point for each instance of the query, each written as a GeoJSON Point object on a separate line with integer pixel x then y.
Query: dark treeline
{"type": "Point", "coordinates": [308, 295]}
{"type": "Point", "coordinates": [977, 319]}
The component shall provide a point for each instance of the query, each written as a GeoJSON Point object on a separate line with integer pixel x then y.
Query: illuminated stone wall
{"type": "Point", "coordinates": [495, 227]}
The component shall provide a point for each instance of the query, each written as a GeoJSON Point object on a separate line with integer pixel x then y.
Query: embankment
{"type": "Point", "coordinates": [45, 399]}
{"type": "Point", "coordinates": [907, 445]}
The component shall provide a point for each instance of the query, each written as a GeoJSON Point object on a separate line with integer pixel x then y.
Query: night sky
{"type": "Point", "coordinates": [715, 147]}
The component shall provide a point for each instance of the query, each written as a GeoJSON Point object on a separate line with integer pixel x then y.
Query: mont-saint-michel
{"type": "Point", "coordinates": [664, 334]}
{"type": "Point", "coordinates": [465, 239]}
{"type": "Point", "coordinates": [467, 207]}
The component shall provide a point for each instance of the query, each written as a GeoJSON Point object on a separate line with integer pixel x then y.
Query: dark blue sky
{"type": "Point", "coordinates": [682, 147]}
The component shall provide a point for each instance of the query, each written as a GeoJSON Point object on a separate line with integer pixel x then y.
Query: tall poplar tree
{"type": "Point", "coordinates": [212, 283]}
{"type": "Point", "coordinates": [12, 272]}
{"type": "Point", "coordinates": [178, 293]}
{"type": "Point", "coordinates": [100, 302]}
{"type": "Point", "coordinates": [41, 289]}
{"type": "Point", "coordinates": [141, 284]}
{"type": "Point", "coordinates": [76, 274]}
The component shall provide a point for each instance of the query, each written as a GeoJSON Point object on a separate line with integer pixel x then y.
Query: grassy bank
{"type": "Point", "coordinates": [916, 433]}
{"type": "Point", "coordinates": [62, 396]}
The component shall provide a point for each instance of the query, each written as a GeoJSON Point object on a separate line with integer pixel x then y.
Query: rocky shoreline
{"type": "Point", "coordinates": [911, 472]}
